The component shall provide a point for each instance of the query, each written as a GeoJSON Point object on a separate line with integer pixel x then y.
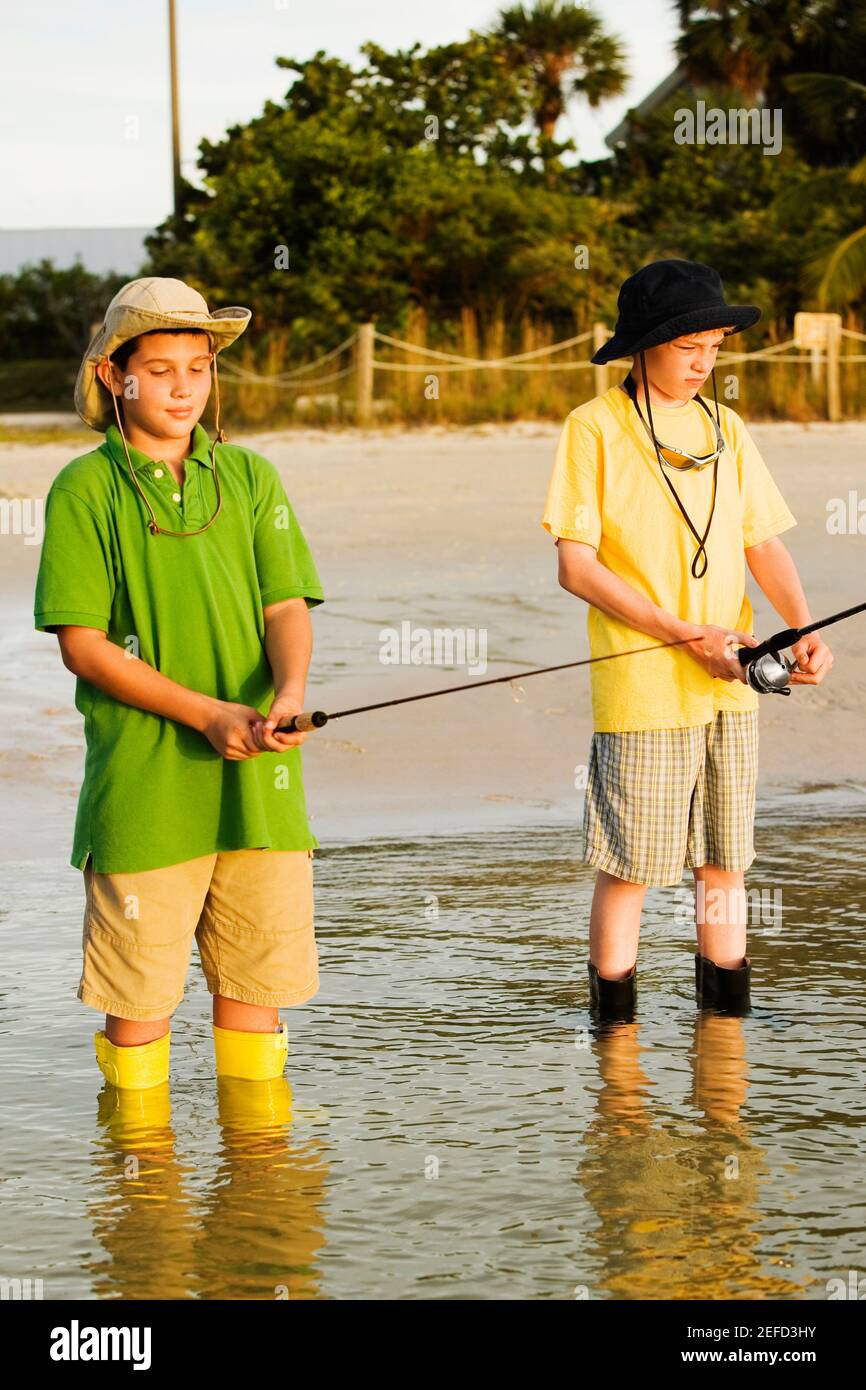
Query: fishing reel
{"type": "Point", "coordinates": [769, 674]}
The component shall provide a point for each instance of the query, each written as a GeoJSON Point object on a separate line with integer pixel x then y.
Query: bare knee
{"type": "Point", "coordinates": [245, 1018]}
{"type": "Point", "coordinates": [132, 1032]}
{"type": "Point", "coordinates": [712, 873]}
{"type": "Point", "coordinates": [610, 883]}
{"type": "Point", "coordinates": [720, 894]}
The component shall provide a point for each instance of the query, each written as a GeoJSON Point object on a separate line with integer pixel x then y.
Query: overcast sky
{"type": "Point", "coordinates": [85, 98]}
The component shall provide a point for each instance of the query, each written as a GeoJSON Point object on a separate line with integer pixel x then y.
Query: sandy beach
{"type": "Point", "coordinates": [452, 916]}
{"type": "Point", "coordinates": [441, 529]}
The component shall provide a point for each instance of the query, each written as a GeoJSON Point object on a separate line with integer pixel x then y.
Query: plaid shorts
{"type": "Point", "coordinates": [658, 797]}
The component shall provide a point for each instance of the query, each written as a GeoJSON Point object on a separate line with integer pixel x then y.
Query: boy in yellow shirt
{"type": "Point", "coordinates": [654, 536]}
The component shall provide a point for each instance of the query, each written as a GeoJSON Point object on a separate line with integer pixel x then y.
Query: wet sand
{"type": "Point", "coordinates": [441, 529]}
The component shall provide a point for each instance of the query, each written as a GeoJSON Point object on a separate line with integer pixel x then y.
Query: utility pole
{"type": "Point", "coordinates": [175, 113]}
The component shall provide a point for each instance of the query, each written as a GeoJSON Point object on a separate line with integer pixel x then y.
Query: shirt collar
{"type": "Point", "coordinates": [200, 451]}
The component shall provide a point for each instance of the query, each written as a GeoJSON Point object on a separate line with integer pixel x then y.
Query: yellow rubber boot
{"type": "Point", "coordinates": [250, 1056]}
{"type": "Point", "coordinates": [133, 1068]}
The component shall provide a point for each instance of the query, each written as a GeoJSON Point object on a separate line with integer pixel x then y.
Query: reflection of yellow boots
{"type": "Point", "coordinates": [131, 1115]}
{"type": "Point", "coordinates": [250, 1056]}
{"type": "Point", "coordinates": [133, 1068]}
{"type": "Point", "coordinates": [259, 1106]}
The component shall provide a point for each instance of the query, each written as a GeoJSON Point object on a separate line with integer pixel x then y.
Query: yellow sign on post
{"type": "Point", "coordinates": [815, 330]}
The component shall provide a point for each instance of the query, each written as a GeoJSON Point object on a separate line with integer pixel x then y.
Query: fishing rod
{"type": "Point", "coordinates": [766, 672]}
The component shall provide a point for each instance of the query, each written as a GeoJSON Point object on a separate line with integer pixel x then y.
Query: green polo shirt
{"type": "Point", "coordinates": [155, 791]}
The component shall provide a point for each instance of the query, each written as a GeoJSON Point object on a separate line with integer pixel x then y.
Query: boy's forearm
{"type": "Point", "coordinates": [612, 595]}
{"type": "Point", "coordinates": [776, 574]}
{"type": "Point", "coordinates": [289, 645]}
{"type": "Point", "coordinates": [131, 680]}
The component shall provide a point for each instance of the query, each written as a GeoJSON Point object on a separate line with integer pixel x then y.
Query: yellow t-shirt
{"type": "Point", "coordinates": [607, 491]}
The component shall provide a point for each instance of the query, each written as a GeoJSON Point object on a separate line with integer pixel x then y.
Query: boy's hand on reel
{"type": "Point", "coordinates": [813, 660]}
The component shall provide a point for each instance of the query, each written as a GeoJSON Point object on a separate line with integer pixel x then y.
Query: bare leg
{"type": "Point", "coordinates": [720, 920]}
{"type": "Point", "coordinates": [245, 1018]}
{"type": "Point", "coordinates": [614, 925]}
{"type": "Point", "coordinates": [227, 1013]}
{"type": "Point", "coordinates": [129, 1032]}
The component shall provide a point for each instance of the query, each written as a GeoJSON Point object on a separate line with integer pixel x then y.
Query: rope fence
{"type": "Point", "coordinates": [819, 347]}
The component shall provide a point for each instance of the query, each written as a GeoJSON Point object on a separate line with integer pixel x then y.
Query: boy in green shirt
{"type": "Point", "coordinates": [178, 580]}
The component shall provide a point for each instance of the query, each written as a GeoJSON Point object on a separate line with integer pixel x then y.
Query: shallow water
{"type": "Point", "coordinates": [450, 1126]}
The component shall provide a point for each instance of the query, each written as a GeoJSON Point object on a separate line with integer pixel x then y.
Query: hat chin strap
{"type": "Point", "coordinates": [153, 526]}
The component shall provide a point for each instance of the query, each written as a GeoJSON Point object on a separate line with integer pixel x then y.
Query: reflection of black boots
{"type": "Point", "coordinates": [612, 1000]}
{"type": "Point", "coordinates": [724, 989]}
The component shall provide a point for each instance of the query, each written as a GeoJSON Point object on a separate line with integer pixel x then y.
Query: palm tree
{"type": "Point", "coordinates": [553, 40]}
{"type": "Point", "coordinates": [836, 276]}
{"type": "Point", "coordinates": [738, 43]}
{"type": "Point", "coordinates": [760, 49]}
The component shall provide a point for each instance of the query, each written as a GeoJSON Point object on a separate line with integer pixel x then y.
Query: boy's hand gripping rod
{"type": "Point", "coordinates": [766, 672]}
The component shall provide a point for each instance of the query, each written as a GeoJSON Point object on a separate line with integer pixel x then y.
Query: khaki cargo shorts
{"type": "Point", "coordinates": [250, 910]}
{"type": "Point", "coordinates": [658, 797]}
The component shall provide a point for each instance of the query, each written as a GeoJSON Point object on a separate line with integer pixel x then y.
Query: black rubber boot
{"type": "Point", "coordinates": [612, 1001]}
{"type": "Point", "coordinates": [726, 990]}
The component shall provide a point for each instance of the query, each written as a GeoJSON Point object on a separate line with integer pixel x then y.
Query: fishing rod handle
{"type": "Point", "coordinates": [300, 723]}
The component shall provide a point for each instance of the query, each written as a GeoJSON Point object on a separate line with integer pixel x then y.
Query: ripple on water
{"type": "Point", "coordinates": [449, 1127]}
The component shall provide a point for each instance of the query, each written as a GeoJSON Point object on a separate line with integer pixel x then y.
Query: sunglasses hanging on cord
{"type": "Point", "coordinates": [695, 461]}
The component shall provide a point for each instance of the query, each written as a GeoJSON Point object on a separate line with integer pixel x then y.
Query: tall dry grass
{"type": "Point", "coordinates": [758, 390]}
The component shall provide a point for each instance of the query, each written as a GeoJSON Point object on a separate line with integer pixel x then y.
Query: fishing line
{"type": "Point", "coordinates": [318, 717]}
{"type": "Point", "coordinates": [766, 672]}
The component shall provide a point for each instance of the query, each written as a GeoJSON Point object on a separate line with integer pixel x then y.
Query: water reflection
{"type": "Point", "coordinates": [255, 1231]}
{"type": "Point", "coordinates": [450, 1126]}
{"type": "Point", "coordinates": [678, 1209]}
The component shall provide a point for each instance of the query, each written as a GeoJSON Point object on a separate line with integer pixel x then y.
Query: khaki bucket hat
{"type": "Point", "coordinates": [143, 306]}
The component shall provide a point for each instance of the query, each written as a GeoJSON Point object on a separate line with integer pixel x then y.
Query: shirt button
{"type": "Point", "coordinates": [175, 497]}
{"type": "Point", "coordinates": [157, 472]}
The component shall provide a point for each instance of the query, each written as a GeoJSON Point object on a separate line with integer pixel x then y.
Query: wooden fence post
{"type": "Point", "coordinates": [600, 335]}
{"type": "Point", "coordinates": [364, 383]}
{"type": "Point", "coordinates": [834, 337]}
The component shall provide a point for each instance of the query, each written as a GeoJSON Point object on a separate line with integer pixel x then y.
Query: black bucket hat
{"type": "Point", "coordinates": [668, 299]}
